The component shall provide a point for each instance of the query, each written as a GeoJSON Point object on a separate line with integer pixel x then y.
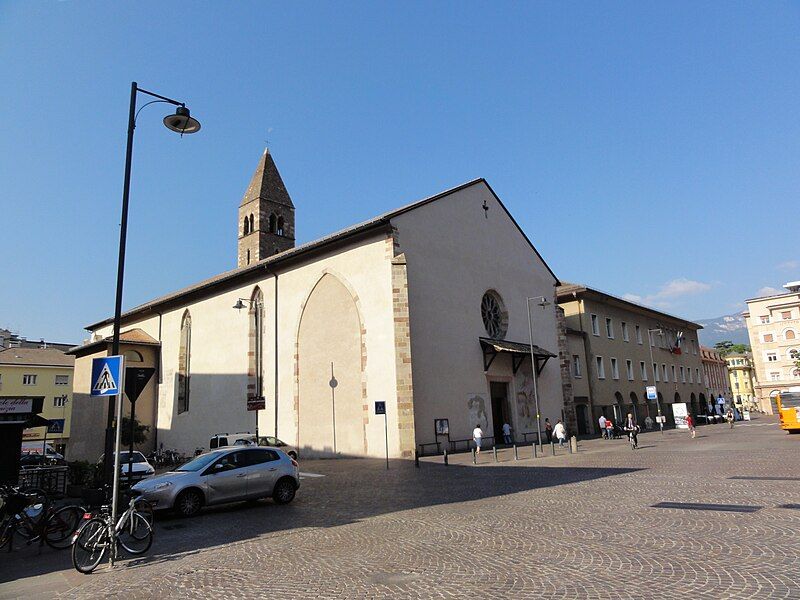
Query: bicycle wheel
{"type": "Point", "coordinates": [90, 546]}
{"type": "Point", "coordinates": [61, 525]}
{"type": "Point", "coordinates": [144, 508]}
{"type": "Point", "coordinates": [24, 533]}
{"type": "Point", "coordinates": [6, 529]}
{"type": "Point", "coordinates": [136, 535]}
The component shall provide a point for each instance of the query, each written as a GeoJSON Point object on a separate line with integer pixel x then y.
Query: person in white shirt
{"type": "Point", "coordinates": [477, 435]}
{"type": "Point", "coordinates": [561, 432]}
{"type": "Point", "coordinates": [506, 433]}
{"type": "Point", "coordinates": [602, 423]}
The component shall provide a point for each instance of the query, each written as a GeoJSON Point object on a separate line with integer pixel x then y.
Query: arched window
{"type": "Point", "coordinates": [273, 223]}
{"type": "Point", "coordinates": [280, 226]}
{"type": "Point", "coordinates": [494, 315]}
{"type": "Point", "coordinates": [255, 368]}
{"type": "Point", "coordinates": [246, 226]}
{"type": "Point", "coordinates": [132, 356]}
{"type": "Point", "coordinates": [789, 334]}
{"type": "Point", "coordinates": [795, 372]}
{"type": "Point", "coordinates": [252, 229]}
{"type": "Point", "coordinates": [184, 360]}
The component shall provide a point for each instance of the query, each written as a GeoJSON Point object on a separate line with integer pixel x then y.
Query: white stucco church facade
{"type": "Point", "coordinates": [423, 308]}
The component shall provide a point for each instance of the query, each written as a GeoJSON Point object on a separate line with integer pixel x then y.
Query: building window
{"type": "Point", "coordinates": [655, 371]}
{"type": "Point", "coordinates": [764, 319]}
{"type": "Point", "coordinates": [675, 379]}
{"type": "Point", "coordinates": [273, 223]}
{"type": "Point", "coordinates": [601, 370]}
{"type": "Point", "coordinates": [683, 375]}
{"type": "Point", "coordinates": [255, 379]}
{"type": "Point", "coordinates": [789, 334]}
{"type": "Point", "coordinates": [664, 372]}
{"type": "Point", "coordinates": [629, 369]}
{"type": "Point", "coordinates": [697, 371]}
{"type": "Point", "coordinates": [625, 331]}
{"type": "Point", "coordinates": [786, 315]}
{"type": "Point", "coordinates": [494, 315]}
{"type": "Point", "coordinates": [638, 335]}
{"type": "Point", "coordinates": [252, 229]}
{"type": "Point", "coordinates": [775, 376]}
{"type": "Point", "coordinates": [29, 380]}
{"type": "Point", "coordinates": [643, 370]}
{"type": "Point", "coordinates": [184, 363]}
{"type": "Point", "coordinates": [609, 329]}
{"type": "Point", "coordinates": [614, 368]}
{"type": "Point", "coordinates": [795, 373]}
{"type": "Point", "coordinates": [595, 326]}
{"type": "Point", "coordinates": [62, 379]}
{"type": "Point", "coordinates": [60, 401]}
{"type": "Point", "coordinates": [772, 357]}
{"type": "Point", "coordinates": [280, 230]}
{"type": "Point", "coordinates": [768, 337]}
{"type": "Point", "coordinates": [576, 365]}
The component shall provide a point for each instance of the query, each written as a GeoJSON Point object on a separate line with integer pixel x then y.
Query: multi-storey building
{"type": "Point", "coordinates": [742, 378]}
{"type": "Point", "coordinates": [41, 373]}
{"type": "Point", "coordinates": [617, 348]}
{"type": "Point", "coordinates": [773, 323]}
{"type": "Point", "coordinates": [715, 377]}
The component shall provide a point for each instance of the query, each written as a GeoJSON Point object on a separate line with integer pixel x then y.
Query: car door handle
{"type": "Point", "coordinates": [242, 475]}
{"type": "Point", "coordinates": [274, 469]}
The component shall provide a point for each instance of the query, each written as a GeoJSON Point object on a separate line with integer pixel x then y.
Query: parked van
{"type": "Point", "coordinates": [245, 438]}
{"type": "Point", "coordinates": [36, 448]}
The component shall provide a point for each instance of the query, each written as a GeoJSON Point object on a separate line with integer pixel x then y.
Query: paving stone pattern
{"type": "Point", "coordinates": [569, 526]}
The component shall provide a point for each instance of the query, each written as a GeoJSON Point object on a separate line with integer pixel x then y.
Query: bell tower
{"type": "Point", "coordinates": [266, 215]}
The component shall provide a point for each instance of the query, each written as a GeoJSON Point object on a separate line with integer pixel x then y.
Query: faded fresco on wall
{"type": "Point", "coordinates": [526, 403]}
{"type": "Point", "coordinates": [476, 406]}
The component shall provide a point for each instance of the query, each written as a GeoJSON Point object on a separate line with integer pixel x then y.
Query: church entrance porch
{"type": "Point", "coordinates": [501, 410]}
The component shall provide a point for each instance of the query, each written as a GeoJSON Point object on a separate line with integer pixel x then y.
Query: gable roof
{"type": "Point", "coordinates": [272, 263]}
{"type": "Point", "coordinates": [46, 357]}
{"type": "Point", "coordinates": [131, 336]}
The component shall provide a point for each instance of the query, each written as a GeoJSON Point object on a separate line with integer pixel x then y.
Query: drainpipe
{"type": "Point", "coordinates": [275, 275]}
{"type": "Point", "coordinates": [587, 352]}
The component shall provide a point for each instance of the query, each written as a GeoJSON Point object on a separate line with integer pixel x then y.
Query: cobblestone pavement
{"type": "Point", "coordinates": [569, 526]}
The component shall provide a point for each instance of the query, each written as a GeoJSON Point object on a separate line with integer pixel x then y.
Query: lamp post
{"type": "Point", "coordinates": [655, 373]}
{"type": "Point", "coordinates": [181, 122]}
{"type": "Point", "coordinates": [542, 301]}
{"type": "Point", "coordinates": [255, 306]}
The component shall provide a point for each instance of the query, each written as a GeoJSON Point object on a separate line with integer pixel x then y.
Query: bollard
{"type": "Point", "coordinates": [516, 456]}
{"type": "Point", "coordinates": [570, 446]}
{"type": "Point", "coordinates": [494, 451]}
{"type": "Point", "coordinates": [416, 459]}
{"type": "Point", "coordinates": [553, 447]}
{"type": "Point", "coordinates": [534, 450]}
{"type": "Point", "coordinates": [573, 445]}
{"type": "Point", "coordinates": [445, 457]}
{"type": "Point", "coordinates": [474, 457]}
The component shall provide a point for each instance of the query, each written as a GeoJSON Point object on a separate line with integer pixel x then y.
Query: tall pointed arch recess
{"type": "Point", "coordinates": [184, 363]}
{"type": "Point", "coordinates": [255, 353]}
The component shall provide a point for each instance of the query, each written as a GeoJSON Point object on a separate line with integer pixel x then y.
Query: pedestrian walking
{"type": "Point", "coordinates": [507, 433]}
{"type": "Point", "coordinates": [648, 422]}
{"type": "Point", "coordinates": [729, 417]}
{"type": "Point", "coordinates": [477, 436]}
{"type": "Point", "coordinates": [561, 433]}
{"type": "Point", "coordinates": [548, 430]}
{"type": "Point", "coordinates": [602, 422]}
{"type": "Point", "coordinates": [610, 429]}
{"type": "Point", "coordinates": [690, 423]}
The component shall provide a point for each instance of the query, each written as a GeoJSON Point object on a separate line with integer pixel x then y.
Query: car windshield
{"type": "Point", "coordinates": [270, 441]}
{"type": "Point", "coordinates": [138, 457]}
{"type": "Point", "coordinates": [196, 464]}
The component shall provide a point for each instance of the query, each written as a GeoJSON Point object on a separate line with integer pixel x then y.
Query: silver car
{"type": "Point", "coordinates": [224, 475]}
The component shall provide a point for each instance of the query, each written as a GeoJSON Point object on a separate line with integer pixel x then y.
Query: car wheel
{"type": "Point", "coordinates": [284, 491]}
{"type": "Point", "coordinates": [293, 454]}
{"type": "Point", "coordinates": [188, 503]}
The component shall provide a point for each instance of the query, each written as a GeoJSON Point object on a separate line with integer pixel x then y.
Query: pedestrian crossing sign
{"type": "Point", "coordinates": [106, 376]}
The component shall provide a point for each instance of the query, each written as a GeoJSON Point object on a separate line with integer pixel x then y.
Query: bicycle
{"type": "Point", "coordinates": [632, 439]}
{"type": "Point", "coordinates": [100, 535]}
{"type": "Point", "coordinates": [31, 517]}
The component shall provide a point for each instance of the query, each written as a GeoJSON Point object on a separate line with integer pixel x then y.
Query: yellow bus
{"type": "Point", "coordinates": [789, 411]}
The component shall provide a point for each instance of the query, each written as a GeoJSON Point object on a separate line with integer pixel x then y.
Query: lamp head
{"type": "Point", "coordinates": [239, 304]}
{"type": "Point", "coordinates": [182, 122]}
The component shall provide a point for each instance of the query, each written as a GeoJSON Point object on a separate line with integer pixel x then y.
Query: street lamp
{"type": "Point", "coordinates": [650, 333]}
{"type": "Point", "coordinates": [181, 122]}
{"type": "Point", "coordinates": [542, 302]}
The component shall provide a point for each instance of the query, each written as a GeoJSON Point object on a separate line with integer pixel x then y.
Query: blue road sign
{"type": "Point", "coordinates": [380, 408]}
{"type": "Point", "coordinates": [56, 426]}
{"type": "Point", "coordinates": [106, 376]}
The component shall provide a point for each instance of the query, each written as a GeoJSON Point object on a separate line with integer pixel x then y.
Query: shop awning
{"type": "Point", "coordinates": [518, 351]}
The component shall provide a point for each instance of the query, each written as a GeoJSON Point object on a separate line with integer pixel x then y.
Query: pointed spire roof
{"type": "Point", "coordinates": [267, 184]}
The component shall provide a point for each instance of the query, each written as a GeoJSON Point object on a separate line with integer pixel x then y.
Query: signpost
{"type": "Point", "coordinates": [108, 380]}
{"type": "Point", "coordinates": [652, 394]}
{"type": "Point", "coordinates": [333, 383]}
{"type": "Point", "coordinates": [380, 409]}
{"type": "Point", "coordinates": [136, 379]}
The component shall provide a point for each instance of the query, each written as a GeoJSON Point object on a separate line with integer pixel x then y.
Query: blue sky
{"type": "Point", "coordinates": [648, 149]}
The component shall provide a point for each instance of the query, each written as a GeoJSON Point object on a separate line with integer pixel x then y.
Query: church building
{"type": "Point", "coordinates": [424, 310]}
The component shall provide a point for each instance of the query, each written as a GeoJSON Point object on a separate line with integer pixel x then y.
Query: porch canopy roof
{"type": "Point", "coordinates": [518, 351]}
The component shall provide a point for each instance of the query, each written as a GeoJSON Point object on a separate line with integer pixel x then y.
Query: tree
{"type": "Point", "coordinates": [727, 347]}
{"type": "Point", "coordinates": [139, 433]}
